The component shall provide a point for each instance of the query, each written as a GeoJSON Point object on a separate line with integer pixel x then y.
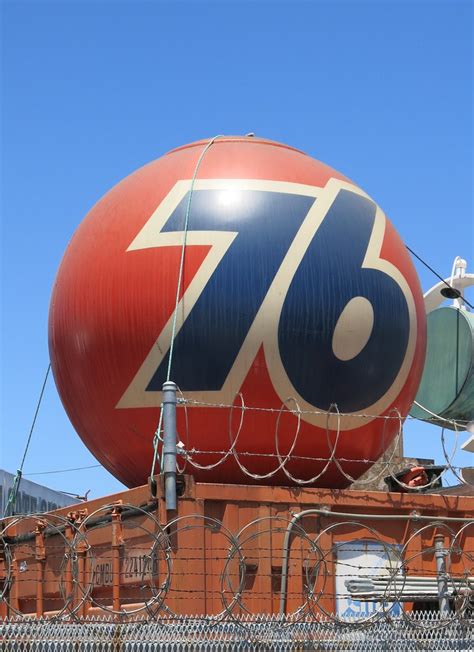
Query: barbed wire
{"type": "Point", "coordinates": [183, 400]}
{"type": "Point", "coordinates": [66, 568]}
{"type": "Point", "coordinates": [389, 445]}
{"type": "Point", "coordinates": [189, 453]}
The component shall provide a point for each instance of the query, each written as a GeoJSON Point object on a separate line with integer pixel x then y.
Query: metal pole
{"type": "Point", "coordinates": [169, 444]}
{"type": "Point", "coordinates": [440, 556]}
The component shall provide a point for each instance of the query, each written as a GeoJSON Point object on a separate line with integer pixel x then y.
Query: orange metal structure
{"type": "Point", "coordinates": [223, 551]}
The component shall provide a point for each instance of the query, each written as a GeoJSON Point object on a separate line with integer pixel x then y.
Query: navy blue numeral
{"type": "Point", "coordinates": [211, 337]}
{"type": "Point", "coordinates": [329, 276]}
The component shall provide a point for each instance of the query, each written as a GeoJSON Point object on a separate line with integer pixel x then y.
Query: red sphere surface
{"type": "Point", "coordinates": [297, 296]}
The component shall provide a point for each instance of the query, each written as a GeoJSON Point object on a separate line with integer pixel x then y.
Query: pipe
{"type": "Point", "coordinates": [328, 512]}
{"type": "Point", "coordinates": [169, 444]}
{"type": "Point", "coordinates": [440, 556]}
{"type": "Point", "coordinates": [286, 554]}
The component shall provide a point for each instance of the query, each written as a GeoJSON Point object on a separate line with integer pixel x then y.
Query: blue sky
{"type": "Point", "coordinates": [382, 91]}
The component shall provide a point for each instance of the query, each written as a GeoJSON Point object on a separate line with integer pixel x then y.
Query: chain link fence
{"type": "Point", "coordinates": [270, 633]}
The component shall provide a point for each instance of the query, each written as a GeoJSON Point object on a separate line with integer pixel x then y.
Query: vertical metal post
{"type": "Point", "coordinates": [440, 556]}
{"type": "Point", "coordinates": [117, 544]}
{"type": "Point", "coordinates": [40, 556]}
{"type": "Point", "coordinates": [169, 444]}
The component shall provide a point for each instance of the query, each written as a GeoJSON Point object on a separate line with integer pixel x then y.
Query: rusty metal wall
{"type": "Point", "coordinates": [224, 554]}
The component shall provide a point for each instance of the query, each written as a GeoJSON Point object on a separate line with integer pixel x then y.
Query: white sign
{"type": "Point", "coordinates": [31, 497]}
{"type": "Point", "coordinates": [363, 559]}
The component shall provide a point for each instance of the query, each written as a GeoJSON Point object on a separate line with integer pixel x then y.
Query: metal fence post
{"type": "Point", "coordinates": [440, 556]}
{"type": "Point", "coordinates": [169, 443]}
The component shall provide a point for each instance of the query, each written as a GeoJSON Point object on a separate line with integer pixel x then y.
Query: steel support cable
{"type": "Point", "coordinates": [454, 290]}
{"type": "Point", "coordinates": [16, 484]}
{"type": "Point", "coordinates": [178, 293]}
{"type": "Point", "coordinates": [78, 468]}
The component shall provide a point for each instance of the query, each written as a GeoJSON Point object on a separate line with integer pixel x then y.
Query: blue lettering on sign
{"type": "Point", "coordinates": [266, 224]}
{"type": "Point", "coordinates": [329, 276]}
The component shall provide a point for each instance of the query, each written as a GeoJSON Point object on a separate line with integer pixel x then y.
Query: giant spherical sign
{"type": "Point", "coordinates": [297, 298]}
